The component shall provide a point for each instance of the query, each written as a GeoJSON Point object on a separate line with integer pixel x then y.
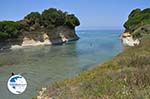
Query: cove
{"type": "Point", "coordinates": [44, 65]}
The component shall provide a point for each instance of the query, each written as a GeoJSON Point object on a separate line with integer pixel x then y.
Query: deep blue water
{"type": "Point", "coordinates": [43, 65]}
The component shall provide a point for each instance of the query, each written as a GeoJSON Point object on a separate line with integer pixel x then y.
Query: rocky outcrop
{"type": "Point", "coordinates": [50, 27]}
{"type": "Point", "coordinates": [137, 25]}
{"type": "Point", "coordinates": [41, 94]}
{"type": "Point", "coordinates": [59, 35]}
{"type": "Point", "coordinates": [128, 40]}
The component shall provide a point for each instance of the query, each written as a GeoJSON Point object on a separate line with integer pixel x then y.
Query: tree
{"type": "Point", "coordinates": [135, 12]}
{"type": "Point", "coordinates": [9, 29]}
{"type": "Point", "coordinates": [53, 16]}
{"type": "Point", "coordinates": [49, 19]}
{"type": "Point", "coordinates": [72, 20]}
{"type": "Point", "coordinates": [33, 17]}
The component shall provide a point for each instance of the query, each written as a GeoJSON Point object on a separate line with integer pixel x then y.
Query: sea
{"type": "Point", "coordinates": [44, 65]}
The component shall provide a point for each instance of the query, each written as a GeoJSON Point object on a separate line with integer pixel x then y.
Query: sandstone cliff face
{"type": "Point", "coordinates": [58, 35]}
{"type": "Point", "coordinates": [137, 25]}
{"type": "Point", "coordinates": [128, 38]}
{"type": "Point", "coordinates": [50, 27]}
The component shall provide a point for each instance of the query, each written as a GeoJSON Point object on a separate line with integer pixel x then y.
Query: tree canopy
{"type": "Point", "coordinates": [9, 29]}
{"type": "Point", "coordinates": [33, 17]}
{"type": "Point", "coordinates": [48, 19]}
{"type": "Point", "coordinates": [51, 18]}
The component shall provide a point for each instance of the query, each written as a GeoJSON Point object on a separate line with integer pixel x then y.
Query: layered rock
{"type": "Point", "coordinates": [59, 35]}
{"type": "Point", "coordinates": [137, 25]}
{"type": "Point", "coordinates": [50, 27]}
{"type": "Point", "coordinates": [128, 40]}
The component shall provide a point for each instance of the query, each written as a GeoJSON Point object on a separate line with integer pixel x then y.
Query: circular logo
{"type": "Point", "coordinates": [17, 84]}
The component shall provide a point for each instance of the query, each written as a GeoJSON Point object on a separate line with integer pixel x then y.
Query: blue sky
{"type": "Point", "coordinates": [93, 14]}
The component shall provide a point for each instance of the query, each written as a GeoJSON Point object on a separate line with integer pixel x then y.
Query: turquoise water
{"type": "Point", "coordinates": [43, 65]}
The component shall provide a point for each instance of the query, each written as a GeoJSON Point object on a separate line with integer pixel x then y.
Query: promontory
{"type": "Point", "coordinates": [50, 27]}
{"type": "Point", "coordinates": [126, 76]}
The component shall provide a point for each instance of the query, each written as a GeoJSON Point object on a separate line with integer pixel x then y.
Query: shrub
{"type": "Point", "coordinates": [33, 17]}
{"type": "Point", "coordinates": [137, 18]}
{"type": "Point", "coordinates": [72, 20]}
{"type": "Point", "coordinates": [49, 19]}
{"type": "Point", "coordinates": [9, 29]}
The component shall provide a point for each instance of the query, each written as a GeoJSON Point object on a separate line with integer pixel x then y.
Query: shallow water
{"type": "Point", "coordinates": [43, 65]}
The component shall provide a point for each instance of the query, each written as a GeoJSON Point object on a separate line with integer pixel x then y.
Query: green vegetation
{"type": "Point", "coordinates": [52, 17]}
{"type": "Point", "coordinates": [9, 29]}
{"type": "Point", "coordinates": [1, 65]}
{"type": "Point", "coordinates": [127, 76]}
{"type": "Point", "coordinates": [48, 19]}
{"type": "Point", "coordinates": [72, 21]}
{"type": "Point", "coordinates": [33, 18]}
{"type": "Point", "coordinates": [137, 19]}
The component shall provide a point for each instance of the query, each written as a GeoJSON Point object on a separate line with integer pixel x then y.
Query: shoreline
{"type": "Point", "coordinates": [32, 43]}
{"type": "Point", "coordinates": [115, 75]}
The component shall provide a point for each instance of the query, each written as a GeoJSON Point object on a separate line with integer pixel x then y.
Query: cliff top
{"type": "Point", "coordinates": [47, 20]}
{"type": "Point", "coordinates": [138, 22]}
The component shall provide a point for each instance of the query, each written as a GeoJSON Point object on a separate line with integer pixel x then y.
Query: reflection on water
{"type": "Point", "coordinates": [45, 64]}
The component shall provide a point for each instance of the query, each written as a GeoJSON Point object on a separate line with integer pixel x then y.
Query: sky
{"type": "Point", "coordinates": [93, 14]}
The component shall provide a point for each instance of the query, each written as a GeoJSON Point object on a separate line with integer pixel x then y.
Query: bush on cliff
{"type": "Point", "coordinates": [9, 29]}
{"type": "Point", "coordinates": [33, 17]}
{"type": "Point", "coordinates": [52, 18]}
{"type": "Point", "coordinates": [72, 21]}
{"type": "Point", "coordinates": [126, 76]}
{"type": "Point", "coordinates": [136, 19]}
{"type": "Point", "coordinates": [47, 20]}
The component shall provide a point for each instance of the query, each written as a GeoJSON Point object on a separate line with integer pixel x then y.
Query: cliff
{"type": "Point", "coordinates": [126, 76]}
{"type": "Point", "coordinates": [50, 27]}
{"type": "Point", "coordinates": [137, 25]}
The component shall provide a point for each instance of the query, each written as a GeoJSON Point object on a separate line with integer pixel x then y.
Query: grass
{"type": "Point", "coordinates": [127, 76]}
{"type": "Point", "coordinates": [1, 65]}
